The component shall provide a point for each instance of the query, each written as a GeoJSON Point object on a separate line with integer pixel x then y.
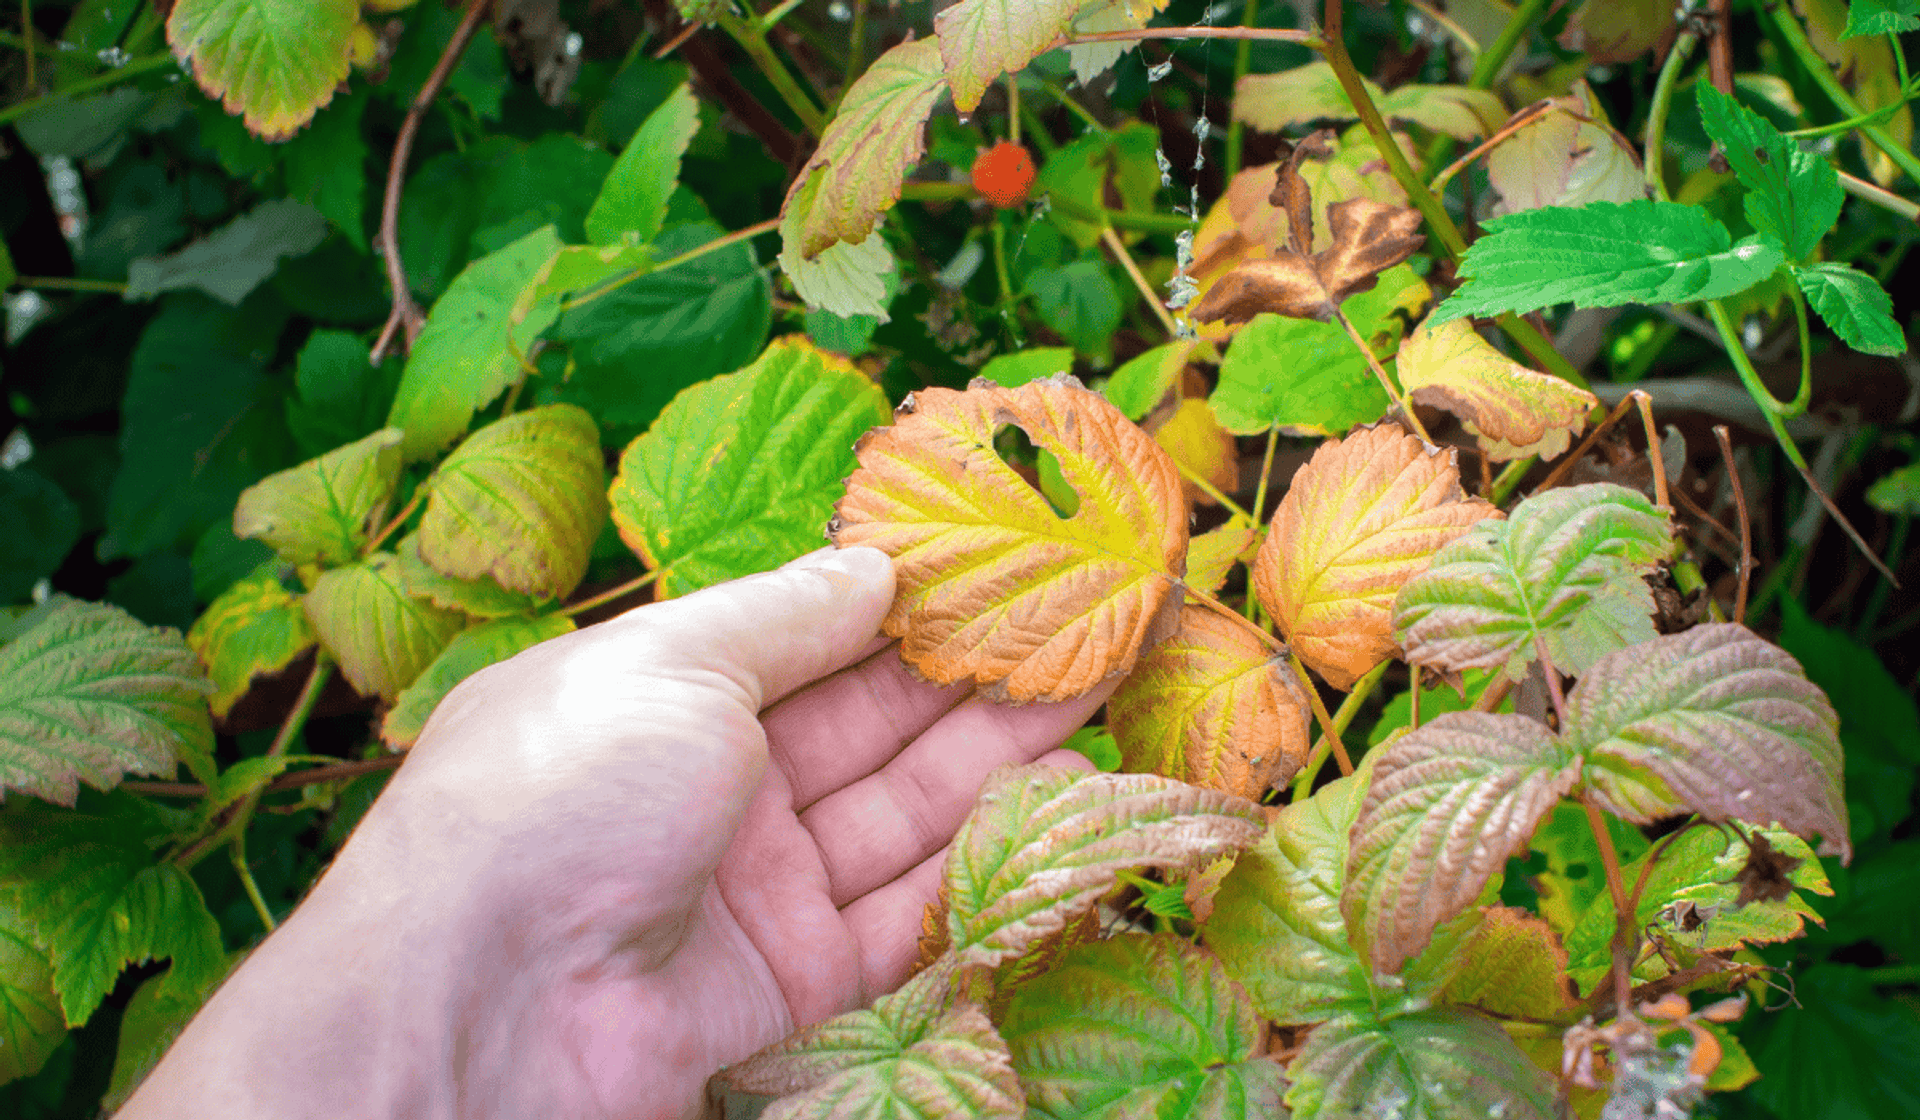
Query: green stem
{"type": "Point", "coordinates": [610, 594]}
{"type": "Point", "coordinates": [856, 44]}
{"type": "Point", "coordinates": [753, 39]}
{"type": "Point", "coordinates": [1342, 719]}
{"type": "Point", "coordinates": [1776, 410]}
{"type": "Point", "coordinates": [1901, 208]}
{"type": "Point", "coordinates": [1657, 113]}
{"type": "Point", "coordinates": [1070, 105]}
{"type": "Point", "coordinates": [1210, 490]}
{"type": "Point", "coordinates": [1492, 60]}
{"type": "Point", "coordinates": [1242, 61]}
{"type": "Point", "coordinates": [1509, 478]}
{"type": "Point", "coordinates": [1624, 933]}
{"type": "Point", "coordinates": [1143, 221]}
{"type": "Point", "coordinates": [1000, 273]}
{"type": "Point", "coordinates": [769, 19]}
{"type": "Point", "coordinates": [238, 850]}
{"type": "Point", "coordinates": [1794, 37]}
{"type": "Point", "coordinates": [1894, 974]}
{"type": "Point", "coordinates": [69, 284]}
{"type": "Point", "coordinates": [131, 70]}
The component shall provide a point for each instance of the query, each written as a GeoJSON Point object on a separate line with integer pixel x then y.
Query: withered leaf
{"type": "Point", "coordinates": [1511, 410]}
{"type": "Point", "coordinates": [1368, 238]}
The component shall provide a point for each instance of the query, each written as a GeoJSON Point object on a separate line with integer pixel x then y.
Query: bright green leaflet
{"type": "Point", "coordinates": [1898, 492]}
{"type": "Point", "coordinates": [256, 627]}
{"type": "Point", "coordinates": [277, 62]}
{"type": "Point", "coordinates": [1855, 305]}
{"type": "Point", "coordinates": [1793, 195]}
{"type": "Point", "coordinates": [1009, 370]}
{"type": "Point", "coordinates": [1574, 875]}
{"type": "Point", "coordinates": [1436, 1065]}
{"type": "Point", "coordinates": [739, 474]}
{"type": "Point", "coordinates": [467, 355]}
{"type": "Point", "coordinates": [229, 263]}
{"type": "Point", "coordinates": [320, 512]}
{"type": "Point", "coordinates": [1605, 254]}
{"type": "Point", "coordinates": [633, 203]}
{"type": "Point", "coordinates": [1140, 1025]}
{"type": "Point", "coordinates": [90, 694]}
{"type": "Point", "coordinates": [1142, 382]}
{"type": "Point", "coordinates": [1881, 17]}
{"type": "Point", "coordinates": [470, 651]}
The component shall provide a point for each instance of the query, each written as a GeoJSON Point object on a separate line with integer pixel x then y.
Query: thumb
{"type": "Point", "coordinates": [770, 634]}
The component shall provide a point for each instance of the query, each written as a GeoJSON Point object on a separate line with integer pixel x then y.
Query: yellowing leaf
{"type": "Point", "coordinates": [520, 501]}
{"type": "Point", "coordinates": [1513, 411]}
{"type": "Point", "coordinates": [382, 636]}
{"type": "Point", "coordinates": [1618, 30]}
{"type": "Point", "coordinates": [1512, 967]}
{"type": "Point", "coordinates": [993, 585]}
{"type": "Point", "coordinates": [983, 39]}
{"type": "Point", "coordinates": [875, 138]}
{"type": "Point", "coordinates": [276, 61]}
{"type": "Point", "coordinates": [1212, 555]}
{"type": "Point", "coordinates": [470, 651]}
{"type": "Point", "coordinates": [1568, 157]}
{"type": "Point", "coordinates": [1272, 102]}
{"type": "Point", "coordinates": [1199, 444]}
{"type": "Point", "coordinates": [1363, 516]}
{"type": "Point", "coordinates": [846, 279]}
{"type": "Point", "coordinates": [481, 598]}
{"type": "Point", "coordinates": [319, 512]}
{"type": "Point", "coordinates": [254, 628]}
{"type": "Point", "coordinates": [1212, 706]}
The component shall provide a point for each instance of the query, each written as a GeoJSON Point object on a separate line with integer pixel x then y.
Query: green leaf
{"type": "Point", "coordinates": [1512, 967]}
{"type": "Point", "coordinates": [1098, 745]}
{"type": "Point", "coordinates": [1565, 567]}
{"type": "Point", "coordinates": [327, 168]}
{"type": "Point", "coordinates": [1143, 382]}
{"type": "Point", "coordinates": [469, 353]}
{"type": "Point", "coordinates": [382, 636]}
{"type": "Point", "coordinates": [1690, 904]}
{"type": "Point", "coordinates": [1897, 492]}
{"type": "Point", "coordinates": [255, 628]}
{"type": "Point", "coordinates": [1008, 370]}
{"type": "Point", "coordinates": [1881, 17]}
{"type": "Point", "coordinates": [1086, 168]}
{"type": "Point", "coordinates": [740, 473]}
{"type": "Point", "coordinates": [1449, 803]}
{"type": "Point", "coordinates": [31, 1024]}
{"type": "Point", "coordinates": [981, 39]}
{"type": "Point", "coordinates": [153, 1019]}
{"type": "Point", "coordinates": [340, 396]}
{"type": "Point", "coordinates": [481, 598]}
{"type": "Point", "coordinates": [1712, 721]}
{"type": "Point", "coordinates": [42, 526]}
{"type": "Point", "coordinates": [1140, 1026]}
{"type": "Point", "coordinates": [229, 263]}
{"type": "Point", "coordinates": [1433, 1065]}
{"type": "Point", "coordinates": [8, 274]}
{"type": "Point", "coordinates": [323, 511]}
{"type": "Point", "coordinates": [1605, 254]}
{"type": "Point", "coordinates": [276, 62]}
{"type": "Point", "coordinates": [89, 695]}
{"type": "Point", "coordinates": [520, 501]}
{"type": "Point", "coordinates": [633, 203]}
{"type": "Point", "coordinates": [1793, 195]}
{"type": "Point", "coordinates": [1841, 1051]}
{"type": "Point", "coordinates": [1079, 301]}
{"type": "Point", "coordinates": [91, 896]}
{"type": "Point", "coordinates": [1855, 305]}
{"type": "Point", "coordinates": [1045, 843]}
{"type": "Point", "coordinates": [470, 651]}
{"type": "Point", "coordinates": [1574, 875]}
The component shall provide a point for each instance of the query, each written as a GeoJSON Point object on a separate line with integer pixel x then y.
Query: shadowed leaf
{"type": "Point", "coordinates": [470, 651]}
{"type": "Point", "coordinates": [1433, 1065]}
{"type": "Point", "coordinates": [1362, 517]}
{"type": "Point", "coordinates": [1044, 843]}
{"type": "Point", "coordinates": [382, 636]}
{"type": "Point", "coordinates": [232, 261]}
{"type": "Point", "coordinates": [320, 511]}
{"type": "Point", "coordinates": [1513, 411]}
{"type": "Point", "coordinates": [1273, 102]}
{"type": "Point", "coordinates": [993, 585]}
{"type": "Point", "coordinates": [31, 1023]}
{"type": "Point", "coordinates": [1449, 803]}
{"type": "Point", "coordinates": [255, 628]}
{"type": "Point", "coordinates": [1714, 721]}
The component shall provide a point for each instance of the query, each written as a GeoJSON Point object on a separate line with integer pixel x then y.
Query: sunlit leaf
{"type": "Point", "coordinates": [981, 39]}
{"type": "Point", "coordinates": [87, 890]}
{"type": "Point", "coordinates": [1513, 967]}
{"type": "Point", "coordinates": [1273, 102]}
{"type": "Point", "coordinates": [1792, 194]}
{"type": "Point", "coordinates": [381, 635]}
{"type": "Point", "coordinates": [276, 62]}
{"type": "Point", "coordinates": [1362, 517]}
{"type": "Point", "coordinates": [1198, 443]}
{"type": "Point", "coordinates": [1212, 554]}
{"type": "Point", "coordinates": [520, 501]}
{"type": "Point", "coordinates": [633, 203]}
{"type": "Point", "coordinates": [320, 512]}
{"type": "Point", "coordinates": [470, 651]}
{"type": "Point", "coordinates": [1140, 1026]}
{"type": "Point", "coordinates": [1434, 1065]}
{"type": "Point", "coordinates": [1449, 803]}
{"type": "Point", "coordinates": [739, 473]}
{"type": "Point", "coordinates": [255, 628]}
{"type": "Point", "coordinates": [1855, 305]}
{"type": "Point", "coordinates": [1045, 843]}
{"type": "Point", "coordinates": [993, 584]}
{"type": "Point", "coordinates": [1368, 238]}
{"type": "Point", "coordinates": [89, 694]}
{"type": "Point", "coordinates": [1567, 156]}
{"type": "Point", "coordinates": [481, 598]}
{"type": "Point", "coordinates": [1214, 707]}
{"type": "Point", "coordinates": [1022, 366]}
{"type": "Point", "coordinates": [1565, 567]}
{"type": "Point", "coordinates": [1513, 411]}
{"type": "Point", "coordinates": [31, 1023]}
{"type": "Point", "coordinates": [1142, 382]}
{"type": "Point", "coordinates": [1713, 721]}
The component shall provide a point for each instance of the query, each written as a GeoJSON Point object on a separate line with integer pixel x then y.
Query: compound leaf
{"type": "Point", "coordinates": [1713, 721]}
{"type": "Point", "coordinates": [319, 512]}
{"type": "Point", "coordinates": [633, 203]}
{"type": "Point", "coordinates": [1140, 1026]}
{"type": "Point", "coordinates": [1565, 567]}
{"type": "Point", "coordinates": [1448, 804]}
{"type": "Point", "coordinates": [520, 501]}
{"type": "Point", "coordinates": [381, 635]}
{"type": "Point", "coordinates": [255, 628]}
{"type": "Point", "coordinates": [1362, 517]}
{"type": "Point", "coordinates": [979, 40]}
{"type": "Point", "coordinates": [994, 586]}
{"type": "Point", "coordinates": [1511, 410]}
{"type": "Point", "coordinates": [1045, 843]}
{"type": "Point", "coordinates": [1855, 305]}
{"type": "Point", "coordinates": [1437, 1065]}
{"type": "Point", "coordinates": [1793, 195]}
{"type": "Point", "coordinates": [89, 694]}
{"type": "Point", "coordinates": [739, 474]}
{"type": "Point", "coordinates": [1605, 254]}
{"type": "Point", "coordinates": [470, 651]}
{"type": "Point", "coordinates": [276, 62]}
{"type": "Point", "coordinates": [1212, 706]}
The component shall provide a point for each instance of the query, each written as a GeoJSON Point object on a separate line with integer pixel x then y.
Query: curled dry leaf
{"type": "Point", "coordinates": [1513, 411]}
{"type": "Point", "coordinates": [994, 586]}
{"type": "Point", "coordinates": [1214, 707]}
{"type": "Point", "coordinates": [1364, 516]}
{"type": "Point", "coordinates": [1570, 156]}
{"type": "Point", "coordinates": [1368, 238]}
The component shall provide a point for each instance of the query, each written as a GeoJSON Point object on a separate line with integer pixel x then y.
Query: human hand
{"type": "Point", "coordinates": [617, 862]}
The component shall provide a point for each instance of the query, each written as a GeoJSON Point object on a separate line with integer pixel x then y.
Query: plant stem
{"type": "Point", "coordinates": [26, 29]}
{"type": "Point", "coordinates": [1555, 694]}
{"type": "Point", "coordinates": [753, 39]}
{"type": "Point", "coordinates": [693, 254]}
{"type": "Point", "coordinates": [1657, 113]}
{"type": "Point", "coordinates": [1270, 34]}
{"type": "Point", "coordinates": [1242, 61]}
{"type": "Point", "coordinates": [319, 775]}
{"type": "Point", "coordinates": [1224, 611]}
{"type": "Point", "coordinates": [1329, 730]}
{"type": "Point", "coordinates": [1624, 937]}
{"type": "Point", "coordinates": [1721, 436]}
{"type": "Point", "coordinates": [1795, 39]}
{"type": "Point", "coordinates": [1902, 208]}
{"type": "Point", "coordinates": [1119, 250]}
{"type": "Point", "coordinates": [1487, 67]}
{"type": "Point", "coordinates": [238, 850]}
{"type": "Point", "coordinates": [1342, 719]}
{"type": "Point", "coordinates": [775, 14]}
{"type": "Point", "coordinates": [611, 594]}
{"type": "Point", "coordinates": [1877, 600]}
{"type": "Point", "coordinates": [1214, 492]}
{"type": "Point", "coordinates": [32, 45]}
{"type": "Point", "coordinates": [1509, 478]}
{"type": "Point", "coordinates": [70, 284]}
{"type": "Point", "coordinates": [398, 519]}
{"type": "Point", "coordinates": [1120, 219]}
{"type": "Point", "coordinates": [134, 69]}
{"type": "Point", "coordinates": [1013, 106]}
{"type": "Point", "coordinates": [856, 44]}
{"type": "Point", "coordinates": [1386, 383]}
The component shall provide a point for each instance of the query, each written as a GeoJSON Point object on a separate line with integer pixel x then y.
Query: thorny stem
{"type": "Point", "coordinates": [1119, 250]}
{"type": "Point", "coordinates": [610, 594]}
{"type": "Point", "coordinates": [1795, 38]}
{"type": "Point", "coordinates": [1329, 730]}
{"type": "Point", "coordinates": [398, 519]}
{"type": "Point", "coordinates": [406, 317]}
{"type": "Point", "coordinates": [1342, 719]}
{"type": "Point", "coordinates": [1746, 529]}
{"type": "Point", "coordinates": [1386, 383]}
{"type": "Point", "coordinates": [1624, 935]}
{"type": "Point", "coordinates": [753, 39]}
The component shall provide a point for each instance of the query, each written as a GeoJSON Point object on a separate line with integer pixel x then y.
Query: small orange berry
{"type": "Point", "coordinates": [1003, 174]}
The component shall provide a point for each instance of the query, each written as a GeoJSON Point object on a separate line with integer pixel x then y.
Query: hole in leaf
{"type": "Point", "coordinates": [1038, 468]}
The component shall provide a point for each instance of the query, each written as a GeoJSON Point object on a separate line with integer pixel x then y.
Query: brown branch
{"type": "Point", "coordinates": [1746, 528]}
{"type": "Point", "coordinates": [406, 315]}
{"type": "Point", "coordinates": [313, 777]}
{"type": "Point", "coordinates": [1720, 45]}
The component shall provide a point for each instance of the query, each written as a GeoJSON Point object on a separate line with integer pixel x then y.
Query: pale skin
{"type": "Point", "coordinates": [615, 863]}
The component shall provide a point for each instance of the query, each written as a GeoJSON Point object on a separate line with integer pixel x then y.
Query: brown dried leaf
{"type": "Point", "coordinates": [1212, 706]}
{"type": "Point", "coordinates": [994, 586]}
{"type": "Point", "coordinates": [1364, 516]}
{"type": "Point", "coordinates": [1368, 238]}
{"type": "Point", "coordinates": [1513, 411]}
